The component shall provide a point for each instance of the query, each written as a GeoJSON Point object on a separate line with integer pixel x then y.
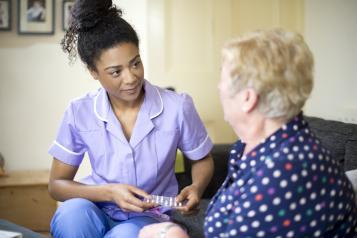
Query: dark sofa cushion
{"type": "Point", "coordinates": [338, 137]}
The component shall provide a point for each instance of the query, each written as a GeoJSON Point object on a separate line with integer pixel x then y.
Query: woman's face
{"type": "Point", "coordinates": [121, 72]}
{"type": "Point", "coordinates": [225, 93]}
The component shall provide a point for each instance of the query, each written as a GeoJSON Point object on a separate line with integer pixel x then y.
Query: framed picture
{"type": "Point", "coordinates": [5, 15]}
{"type": "Point", "coordinates": [66, 13]}
{"type": "Point", "coordinates": [36, 16]}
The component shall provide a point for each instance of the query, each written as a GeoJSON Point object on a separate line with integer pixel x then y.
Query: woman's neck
{"type": "Point", "coordinates": [258, 130]}
{"type": "Point", "coordinates": [122, 106]}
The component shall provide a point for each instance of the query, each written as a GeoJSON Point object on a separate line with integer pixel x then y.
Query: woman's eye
{"type": "Point", "coordinates": [136, 64]}
{"type": "Point", "coordinates": [115, 74]}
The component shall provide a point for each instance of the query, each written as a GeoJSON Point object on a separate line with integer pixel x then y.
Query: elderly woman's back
{"type": "Point", "coordinates": [282, 182]}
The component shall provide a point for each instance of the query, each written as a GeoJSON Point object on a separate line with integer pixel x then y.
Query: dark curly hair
{"type": "Point", "coordinates": [95, 25]}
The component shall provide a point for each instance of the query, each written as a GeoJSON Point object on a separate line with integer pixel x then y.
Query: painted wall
{"type": "Point", "coordinates": [331, 32]}
{"type": "Point", "coordinates": [36, 82]}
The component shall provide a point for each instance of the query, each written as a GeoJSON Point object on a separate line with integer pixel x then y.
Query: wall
{"type": "Point", "coordinates": [331, 32]}
{"type": "Point", "coordinates": [36, 82]}
{"type": "Point", "coordinates": [36, 85]}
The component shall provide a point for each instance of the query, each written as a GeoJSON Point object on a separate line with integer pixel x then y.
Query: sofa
{"type": "Point", "coordinates": [340, 138]}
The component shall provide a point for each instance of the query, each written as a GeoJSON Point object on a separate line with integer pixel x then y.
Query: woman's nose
{"type": "Point", "coordinates": [129, 77]}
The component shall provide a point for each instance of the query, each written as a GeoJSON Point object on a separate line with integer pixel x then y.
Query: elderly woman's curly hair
{"type": "Point", "coordinates": [277, 64]}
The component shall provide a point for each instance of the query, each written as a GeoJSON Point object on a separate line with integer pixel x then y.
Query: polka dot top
{"type": "Point", "coordinates": [288, 186]}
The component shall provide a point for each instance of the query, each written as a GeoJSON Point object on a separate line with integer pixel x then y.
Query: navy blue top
{"type": "Point", "coordinates": [288, 186]}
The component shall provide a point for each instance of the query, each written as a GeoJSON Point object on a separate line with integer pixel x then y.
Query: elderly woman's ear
{"type": "Point", "coordinates": [250, 100]}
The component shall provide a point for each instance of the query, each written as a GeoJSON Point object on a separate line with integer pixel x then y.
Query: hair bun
{"type": "Point", "coordinates": [86, 14]}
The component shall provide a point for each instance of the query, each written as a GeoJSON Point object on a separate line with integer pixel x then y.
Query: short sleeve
{"type": "Point", "coordinates": [68, 146]}
{"type": "Point", "coordinates": [194, 141]}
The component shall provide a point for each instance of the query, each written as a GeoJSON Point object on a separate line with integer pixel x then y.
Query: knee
{"type": "Point", "coordinates": [77, 215]}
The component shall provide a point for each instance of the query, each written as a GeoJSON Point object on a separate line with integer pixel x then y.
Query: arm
{"type": "Point", "coordinates": [62, 187]}
{"type": "Point", "coordinates": [202, 172]}
{"type": "Point", "coordinates": [163, 229]}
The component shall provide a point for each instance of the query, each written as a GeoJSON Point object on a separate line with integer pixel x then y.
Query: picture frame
{"type": "Point", "coordinates": [5, 15]}
{"type": "Point", "coordinates": [36, 17]}
{"type": "Point", "coordinates": [66, 13]}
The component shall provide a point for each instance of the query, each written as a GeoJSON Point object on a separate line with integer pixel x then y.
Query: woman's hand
{"type": "Point", "coordinates": [164, 229]}
{"type": "Point", "coordinates": [191, 196]}
{"type": "Point", "coordinates": [127, 197]}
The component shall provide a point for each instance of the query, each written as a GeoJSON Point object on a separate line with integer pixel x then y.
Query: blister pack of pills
{"type": "Point", "coordinates": [164, 201]}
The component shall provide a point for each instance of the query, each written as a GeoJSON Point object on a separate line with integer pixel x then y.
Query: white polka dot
{"type": "Point", "coordinates": [253, 163]}
{"type": "Point", "coordinates": [317, 207]}
{"type": "Point", "coordinates": [262, 150]}
{"type": "Point", "coordinates": [294, 177]}
{"type": "Point", "coordinates": [222, 209]}
{"type": "Point", "coordinates": [288, 195]}
{"type": "Point", "coordinates": [265, 180]}
{"type": "Point", "coordinates": [308, 185]}
{"type": "Point", "coordinates": [261, 234]}
{"type": "Point", "coordinates": [216, 215]}
{"type": "Point", "coordinates": [244, 228]}
{"type": "Point", "coordinates": [276, 201]}
{"type": "Point", "coordinates": [283, 183]}
{"type": "Point", "coordinates": [237, 210]}
{"type": "Point", "coordinates": [276, 173]}
{"type": "Point", "coordinates": [255, 224]}
{"type": "Point", "coordinates": [297, 217]}
{"type": "Point", "coordinates": [323, 191]}
{"type": "Point", "coordinates": [210, 229]}
{"type": "Point", "coordinates": [333, 193]}
{"type": "Point", "coordinates": [243, 166]}
{"type": "Point", "coordinates": [272, 138]}
{"type": "Point", "coordinates": [263, 208]}
{"type": "Point", "coordinates": [286, 150]}
{"type": "Point", "coordinates": [302, 201]}
{"type": "Point", "coordinates": [246, 204]}
{"type": "Point", "coordinates": [218, 224]}
{"type": "Point", "coordinates": [304, 173]}
{"type": "Point", "coordinates": [295, 127]}
{"type": "Point", "coordinates": [233, 151]}
{"type": "Point", "coordinates": [313, 223]}
{"type": "Point", "coordinates": [210, 218]}
{"type": "Point", "coordinates": [272, 145]}
{"type": "Point", "coordinates": [317, 233]}
{"type": "Point", "coordinates": [313, 167]}
{"type": "Point", "coordinates": [251, 213]}
{"type": "Point", "coordinates": [290, 156]}
{"type": "Point", "coordinates": [290, 234]}
{"type": "Point", "coordinates": [269, 218]}
{"type": "Point", "coordinates": [240, 182]}
{"type": "Point", "coordinates": [276, 154]}
{"type": "Point", "coordinates": [239, 219]}
{"type": "Point", "coordinates": [270, 164]}
{"type": "Point", "coordinates": [310, 155]}
{"type": "Point", "coordinates": [254, 189]}
{"type": "Point", "coordinates": [292, 206]}
{"type": "Point", "coordinates": [295, 148]}
{"type": "Point", "coordinates": [233, 232]}
{"type": "Point", "coordinates": [312, 196]}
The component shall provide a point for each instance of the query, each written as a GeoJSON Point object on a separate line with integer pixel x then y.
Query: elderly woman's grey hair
{"type": "Point", "coordinates": [277, 64]}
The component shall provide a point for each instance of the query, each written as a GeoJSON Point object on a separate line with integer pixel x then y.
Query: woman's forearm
{"type": "Point", "coordinates": [62, 190]}
{"type": "Point", "coordinates": [202, 172]}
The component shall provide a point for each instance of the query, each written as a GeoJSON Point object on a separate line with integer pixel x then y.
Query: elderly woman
{"type": "Point", "coordinates": [282, 181]}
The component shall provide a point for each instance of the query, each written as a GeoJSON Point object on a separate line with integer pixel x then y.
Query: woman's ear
{"type": "Point", "coordinates": [94, 74]}
{"type": "Point", "coordinates": [250, 100]}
